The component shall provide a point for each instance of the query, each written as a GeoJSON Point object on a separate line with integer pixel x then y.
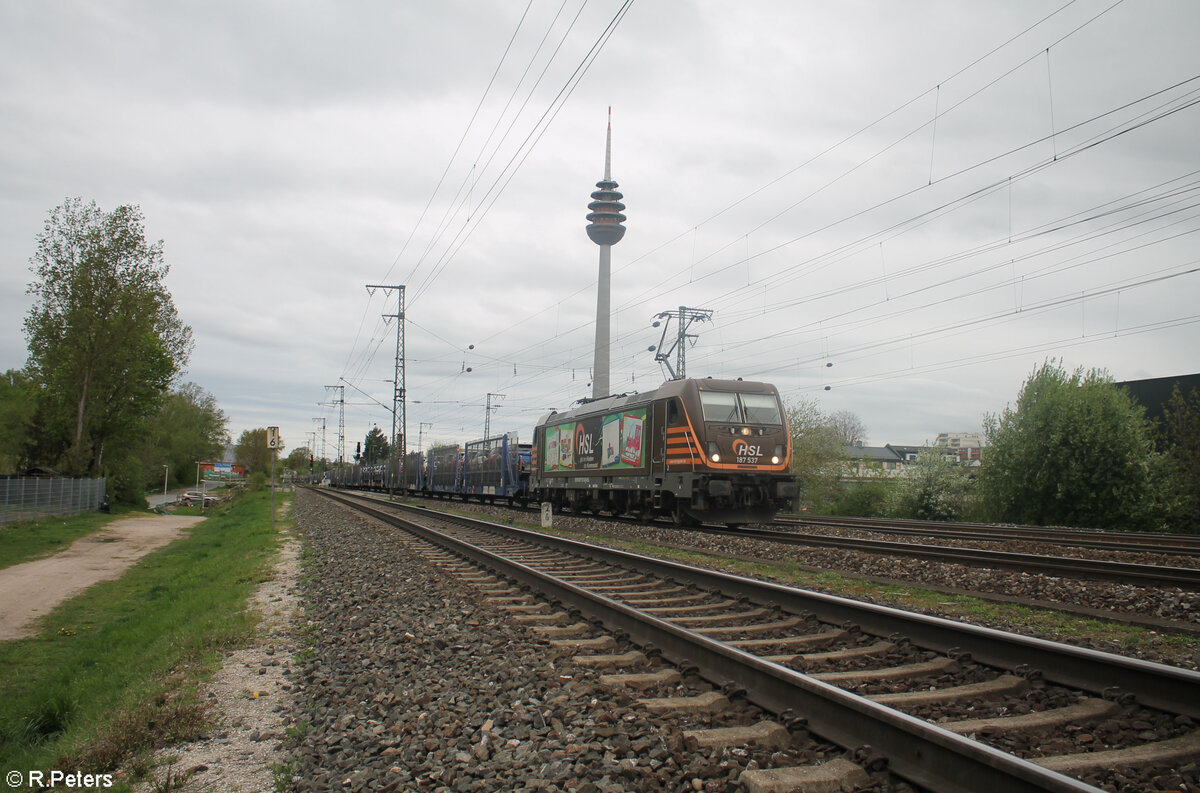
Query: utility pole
{"type": "Point", "coordinates": [341, 436]}
{"type": "Point", "coordinates": [398, 411]}
{"type": "Point", "coordinates": [487, 415]}
{"type": "Point", "coordinates": [683, 320]}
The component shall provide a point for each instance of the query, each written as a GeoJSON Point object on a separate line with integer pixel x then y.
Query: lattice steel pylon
{"type": "Point", "coordinates": [341, 436]}
{"type": "Point", "coordinates": [683, 320]}
{"type": "Point", "coordinates": [487, 415]}
{"type": "Point", "coordinates": [321, 419]}
{"type": "Point", "coordinates": [399, 419]}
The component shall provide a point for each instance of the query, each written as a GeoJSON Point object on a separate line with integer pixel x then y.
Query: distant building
{"type": "Point", "coordinates": [965, 448]}
{"type": "Point", "coordinates": [877, 460]}
{"type": "Point", "coordinates": [1154, 393]}
{"type": "Point", "coordinates": [906, 453]}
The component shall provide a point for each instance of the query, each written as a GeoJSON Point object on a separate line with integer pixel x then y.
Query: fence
{"type": "Point", "coordinates": [33, 497]}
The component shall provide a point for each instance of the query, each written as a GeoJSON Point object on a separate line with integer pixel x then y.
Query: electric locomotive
{"type": "Point", "coordinates": [696, 450]}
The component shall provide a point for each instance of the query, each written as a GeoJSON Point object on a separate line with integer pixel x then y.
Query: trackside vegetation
{"type": "Point", "coordinates": [114, 672]}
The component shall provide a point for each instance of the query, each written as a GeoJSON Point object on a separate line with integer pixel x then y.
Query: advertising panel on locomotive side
{"type": "Point", "coordinates": [593, 443]}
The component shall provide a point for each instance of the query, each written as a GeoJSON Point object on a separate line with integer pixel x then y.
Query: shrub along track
{"type": "Point", "coordinates": [713, 631]}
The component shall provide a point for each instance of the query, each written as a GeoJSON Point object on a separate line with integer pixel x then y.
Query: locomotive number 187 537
{"type": "Point", "coordinates": [746, 453]}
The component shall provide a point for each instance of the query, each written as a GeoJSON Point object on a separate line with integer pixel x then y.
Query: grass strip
{"type": "Point", "coordinates": [114, 672]}
{"type": "Point", "coordinates": [28, 540]}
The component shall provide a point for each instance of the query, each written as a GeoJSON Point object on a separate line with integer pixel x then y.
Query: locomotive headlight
{"type": "Point", "coordinates": [745, 430]}
{"type": "Point", "coordinates": [713, 453]}
{"type": "Point", "coordinates": [777, 457]}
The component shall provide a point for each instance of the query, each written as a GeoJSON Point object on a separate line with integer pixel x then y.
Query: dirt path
{"type": "Point", "coordinates": [33, 589]}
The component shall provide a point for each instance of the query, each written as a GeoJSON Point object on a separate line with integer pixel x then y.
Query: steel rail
{"type": "Point", "coordinates": [1123, 572]}
{"type": "Point", "coordinates": [1132, 542]}
{"type": "Point", "coordinates": [1160, 686]}
{"type": "Point", "coordinates": [917, 750]}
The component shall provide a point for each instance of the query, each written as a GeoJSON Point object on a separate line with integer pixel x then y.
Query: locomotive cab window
{"type": "Point", "coordinates": [761, 408]}
{"type": "Point", "coordinates": [720, 406]}
{"type": "Point", "coordinates": [730, 408]}
{"type": "Point", "coordinates": [674, 414]}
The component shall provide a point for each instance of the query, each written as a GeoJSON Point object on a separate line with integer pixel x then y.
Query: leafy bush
{"type": "Point", "coordinates": [1076, 450]}
{"type": "Point", "coordinates": [932, 488]}
{"type": "Point", "coordinates": [125, 482]}
{"type": "Point", "coordinates": [867, 500]}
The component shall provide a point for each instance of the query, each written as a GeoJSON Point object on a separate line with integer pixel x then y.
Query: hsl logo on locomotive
{"type": "Point", "coordinates": [583, 442]}
{"type": "Point", "coordinates": [746, 453]}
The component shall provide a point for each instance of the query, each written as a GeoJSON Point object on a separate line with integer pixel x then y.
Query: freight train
{"type": "Point", "coordinates": [713, 451]}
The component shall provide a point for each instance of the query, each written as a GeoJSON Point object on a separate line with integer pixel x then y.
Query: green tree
{"type": "Point", "coordinates": [298, 459]}
{"type": "Point", "coordinates": [1179, 439]}
{"type": "Point", "coordinates": [930, 488]}
{"type": "Point", "coordinates": [18, 400]}
{"type": "Point", "coordinates": [817, 453]}
{"type": "Point", "coordinates": [188, 427]}
{"type": "Point", "coordinates": [375, 447]}
{"type": "Point", "coordinates": [1076, 450]}
{"type": "Point", "coordinates": [252, 452]}
{"type": "Point", "coordinates": [104, 338]}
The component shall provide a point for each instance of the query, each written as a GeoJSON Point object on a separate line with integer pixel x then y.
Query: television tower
{"type": "Point", "coordinates": [605, 229]}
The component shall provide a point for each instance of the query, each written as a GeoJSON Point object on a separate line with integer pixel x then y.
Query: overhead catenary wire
{"type": "Point", "coordinates": [539, 366]}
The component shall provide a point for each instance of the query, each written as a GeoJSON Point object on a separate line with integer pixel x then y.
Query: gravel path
{"type": "Point", "coordinates": [32, 589]}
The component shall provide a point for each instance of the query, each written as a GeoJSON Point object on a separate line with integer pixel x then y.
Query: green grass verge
{"type": "Point", "coordinates": [114, 672]}
{"type": "Point", "coordinates": [28, 540]}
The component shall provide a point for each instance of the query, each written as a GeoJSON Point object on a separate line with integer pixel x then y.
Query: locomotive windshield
{"type": "Point", "coordinates": [761, 408]}
{"type": "Point", "coordinates": [729, 407]}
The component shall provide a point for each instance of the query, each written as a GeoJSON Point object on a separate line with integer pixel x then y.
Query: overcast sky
{"type": "Point", "coordinates": [933, 197]}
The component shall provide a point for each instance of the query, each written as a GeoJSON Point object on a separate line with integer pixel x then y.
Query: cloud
{"type": "Point", "coordinates": [780, 164]}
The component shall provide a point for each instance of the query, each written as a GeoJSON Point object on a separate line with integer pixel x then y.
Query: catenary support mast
{"type": "Point", "coordinates": [399, 420]}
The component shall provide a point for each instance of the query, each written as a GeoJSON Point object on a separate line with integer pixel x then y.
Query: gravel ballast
{"type": "Point", "coordinates": [1172, 608]}
{"type": "Point", "coordinates": [412, 681]}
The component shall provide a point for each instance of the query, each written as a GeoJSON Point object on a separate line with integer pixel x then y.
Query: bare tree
{"type": "Point", "coordinates": [848, 426]}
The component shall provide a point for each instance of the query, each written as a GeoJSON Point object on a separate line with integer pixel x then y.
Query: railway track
{"type": "Point", "coordinates": [1133, 573]}
{"type": "Point", "coordinates": [865, 677]}
{"type": "Point", "coordinates": [1140, 542]}
{"type": "Point", "coordinates": [1123, 572]}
